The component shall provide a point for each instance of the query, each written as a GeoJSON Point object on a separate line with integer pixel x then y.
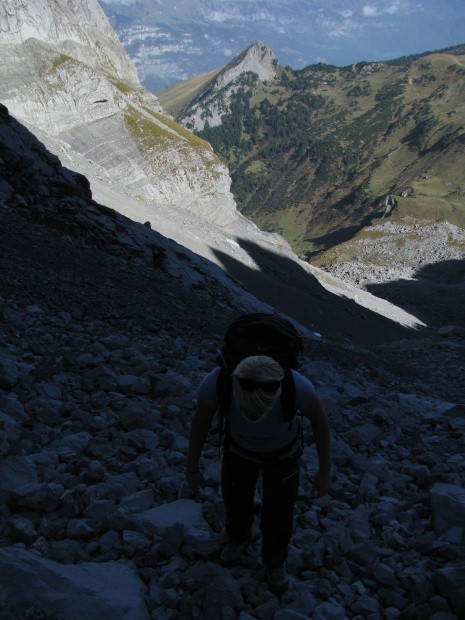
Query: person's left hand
{"type": "Point", "coordinates": [322, 482]}
{"type": "Point", "coordinates": [195, 480]}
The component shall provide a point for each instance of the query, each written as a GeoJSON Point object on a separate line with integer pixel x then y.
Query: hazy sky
{"type": "Point", "coordinates": [174, 40]}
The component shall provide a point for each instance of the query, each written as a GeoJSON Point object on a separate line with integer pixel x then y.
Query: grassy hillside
{"type": "Point", "coordinates": [177, 98]}
{"type": "Point", "coordinates": [315, 154]}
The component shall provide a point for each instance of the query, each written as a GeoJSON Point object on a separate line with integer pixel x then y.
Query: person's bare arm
{"type": "Point", "coordinates": [316, 413]}
{"type": "Point", "coordinates": [199, 430]}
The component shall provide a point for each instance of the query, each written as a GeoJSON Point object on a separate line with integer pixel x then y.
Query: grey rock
{"type": "Point", "coordinates": [9, 370]}
{"type": "Point", "coordinates": [110, 590]}
{"type": "Point", "coordinates": [142, 440]}
{"type": "Point", "coordinates": [366, 606]}
{"type": "Point", "coordinates": [450, 582]}
{"type": "Point", "coordinates": [75, 443]}
{"type": "Point", "coordinates": [137, 502]}
{"type": "Point", "coordinates": [329, 610]}
{"type": "Point", "coordinates": [99, 509]}
{"type": "Point", "coordinates": [82, 528]}
{"type": "Point", "coordinates": [133, 384]}
{"type": "Point", "coordinates": [359, 524]}
{"type": "Point", "coordinates": [362, 553]}
{"type": "Point", "coordinates": [182, 511]}
{"type": "Point", "coordinates": [218, 584]}
{"type": "Point", "coordinates": [13, 408]}
{"type": "Point", "coordinates": [39, 496]}
{"type": "Point", "coordinates": [171, 541]}
{"type": "Point", "coordinates": [341, 452]}
{"type": "Point", "coordinates": [138, 415]}
{"type": "Point", "coordinates": [22, 529]}
{"type": "Point", "coordinates": [449, 331]}
{"type": "Point", "coordinates": [72, 504]}
{"type": "Point", "coordinates": [384, 574]}
{"type": "Point", "coordinates": [364, 435]}
{"type": "Point", "coordinates": [67, 552]}
{"type": "Point", "coordinates": [117, 487]}
{"type": "Point", "coordinates": [10, 432]}
{"type": "Point", "coordinates": [303, 604]}
{"type": "Point", "coordinates": [448, 504]}
{"type": "Point", "coordinates": [109, 540]}
{"type": "Point", "coordinates": [136, 540]}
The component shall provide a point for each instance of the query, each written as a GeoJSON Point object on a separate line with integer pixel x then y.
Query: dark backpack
{"type": "Point", "coordinates": [258, 333]}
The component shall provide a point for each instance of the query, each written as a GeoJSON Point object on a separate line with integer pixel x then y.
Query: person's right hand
{"type": "Point", "coordinates": [195, 479]}
{"type": "Point", "coordinates": [322, 482]}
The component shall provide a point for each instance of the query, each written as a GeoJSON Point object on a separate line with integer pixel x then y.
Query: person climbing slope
{"type": "Point", "coordinates": [259, 401]}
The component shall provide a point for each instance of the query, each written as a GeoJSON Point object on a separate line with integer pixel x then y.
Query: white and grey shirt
{"type": "Point", "coordinates": [269, 434]}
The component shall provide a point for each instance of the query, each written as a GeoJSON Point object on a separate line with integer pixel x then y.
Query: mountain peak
{"type": "Point", "coordinates": [212, 101]}
{"type": "Point", "coordinates": [257, 58]}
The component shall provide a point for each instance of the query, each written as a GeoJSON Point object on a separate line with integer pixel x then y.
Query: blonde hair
{"type": "Point", "coordinates": [255, 403]}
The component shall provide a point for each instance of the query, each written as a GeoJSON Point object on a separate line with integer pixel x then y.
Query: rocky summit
{"type": "Point", "coordinates": [106, 329]}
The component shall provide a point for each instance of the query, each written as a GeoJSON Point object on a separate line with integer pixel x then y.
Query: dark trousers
{"type": "Point", "coordinates": [280, 485]}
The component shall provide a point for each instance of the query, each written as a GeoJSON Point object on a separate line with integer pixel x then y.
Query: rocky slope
{"type": "Point", "coordinates": [106, 328]}
{"type": "Point", "coordinates": [416, 264]}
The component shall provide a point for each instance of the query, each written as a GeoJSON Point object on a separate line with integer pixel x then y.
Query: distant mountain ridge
{"type": "Point", "coordinates": [315, 154]}
{"type": "Point", "coordinates": [173, 41]}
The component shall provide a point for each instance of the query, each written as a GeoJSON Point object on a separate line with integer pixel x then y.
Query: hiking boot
{"type": "Point", "coordinates": [233, 551]}
{"type": "Point", "coordinates": [277, 579]}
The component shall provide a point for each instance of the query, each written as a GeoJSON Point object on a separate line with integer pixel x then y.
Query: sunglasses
{"type": "Point", "coordinates": [249, 385]}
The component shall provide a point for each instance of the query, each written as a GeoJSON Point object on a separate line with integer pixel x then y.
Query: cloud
{"type": "Point", "coordinates": [369, 11]}
{"type": "Point", "coordinates": [374, 10]}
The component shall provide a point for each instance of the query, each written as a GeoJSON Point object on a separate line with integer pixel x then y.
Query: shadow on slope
{"type": "Point", "coordinates": [35, 185]}
{"type": "Point", "coordinates": [436, 295]}
{"type": "Point", "coordinates": [331, 239]}
{"type": "Point", "coordinates": [285, 285]}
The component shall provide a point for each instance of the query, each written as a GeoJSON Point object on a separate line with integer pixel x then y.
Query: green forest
{"type": "Point", "coordinates": [314, 153]}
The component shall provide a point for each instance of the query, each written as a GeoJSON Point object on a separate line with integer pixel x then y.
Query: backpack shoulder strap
{"type": "Point", "coordinates": [223, 393]}
{"type": "Point", "coordinates": [288, 395]}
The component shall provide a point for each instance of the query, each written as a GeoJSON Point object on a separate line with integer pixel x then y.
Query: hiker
{"type": "Point", "coordinates": [258, 439]}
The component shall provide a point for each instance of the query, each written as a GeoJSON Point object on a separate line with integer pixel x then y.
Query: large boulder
{"type": "Point", "coordinates": [450, 581]}
{"type": "Point", "coordinates": [448, 504]}
{"type": "Point", "coordinates": [110, 591]}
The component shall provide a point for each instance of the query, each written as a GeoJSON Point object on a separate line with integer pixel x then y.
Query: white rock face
{"type": "Point", "coordinates": [258, 58]}
{"type": "Point", "coordinates": [75, 26]}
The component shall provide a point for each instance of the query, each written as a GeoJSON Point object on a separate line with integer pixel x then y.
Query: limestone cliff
{"type": "Point", "coordinates": [77, 27]}
{"type": "Point", "coordinates": [65, 75]}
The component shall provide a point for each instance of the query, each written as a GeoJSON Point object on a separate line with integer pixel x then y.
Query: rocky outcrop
{"type": "Point", "coordinates": [214, 101]}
